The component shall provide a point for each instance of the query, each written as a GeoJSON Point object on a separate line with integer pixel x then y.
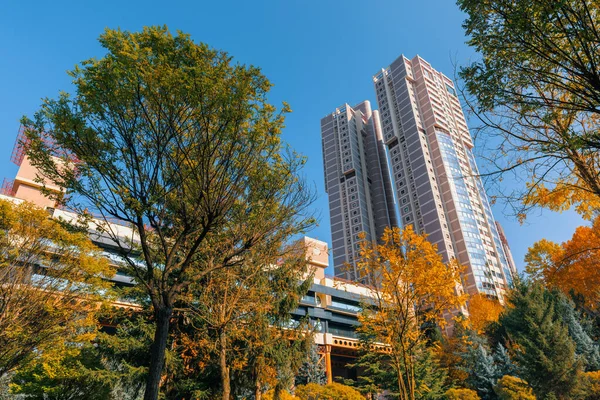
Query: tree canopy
{"type": "Point", "coordinates": [53, 281]}
{"type": "Point", "coordinates": [536, 92]}
{"type": "Point", "coordinates": [410, 288]}
{"type": "Point", "coordinates": [177, 141]}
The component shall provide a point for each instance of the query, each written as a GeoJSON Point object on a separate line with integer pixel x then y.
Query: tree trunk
{"type": "Point", "coordinates": [257, 384]}
{"type": "Point", "coordinates": [157, 352]}
{"type": "Point", "coordinates": [225, 380]}
{"type": "Point", "coordinates": [257, 391]}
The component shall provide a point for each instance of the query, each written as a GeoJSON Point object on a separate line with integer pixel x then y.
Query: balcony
{"type": "Point", "coordinates": [8, 187]}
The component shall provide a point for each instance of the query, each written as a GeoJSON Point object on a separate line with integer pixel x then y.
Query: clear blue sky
{"type": "Point", "coordinates": [318, 53]}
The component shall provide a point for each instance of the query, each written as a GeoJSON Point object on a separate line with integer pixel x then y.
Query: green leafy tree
{"type": "Point", "coordinates": [126, 351]}
{"type": "Point", "coordinates": [377, 373]}
{"type": "Point", "coordinates": [172, 138]}
{"type": "Point", "coordinates": [536, 91]}
{"type": "Point", "coordinates": [231, 305]}
{"type": "Point", "coordinates": [539, 341]}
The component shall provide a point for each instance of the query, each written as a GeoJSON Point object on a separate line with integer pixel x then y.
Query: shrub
{"type": "Point", "coordinates": [513, 388]}
{"type": "Point", "coordinates": [591, 385]}
{"type": "Point", "coordinates": [333, 391]}
{"type": "Point", "coordinates": [461, 394]}
{"type": "Point", "coordinates": [283, 396]}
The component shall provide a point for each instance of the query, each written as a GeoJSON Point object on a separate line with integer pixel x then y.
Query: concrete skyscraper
{"type": "Point", "coordinates": [434, 171]}
{"type": "Point", "coordinates": [416, 155]}
{"type": "Point", "coordinates": [357, 181]}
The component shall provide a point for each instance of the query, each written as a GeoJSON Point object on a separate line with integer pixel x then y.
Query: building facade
{"type": "Point", "coordinates": [412, 163]}
{"type": "Point", "coordinates": [434, 172]}
{"type": "Point", "coordinates": [357, 181]}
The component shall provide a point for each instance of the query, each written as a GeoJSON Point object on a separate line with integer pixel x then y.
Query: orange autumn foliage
{"type": "Point", "coordinates": [563, 195]}
{"type": "Point", "coordinates": [483, 311]}
{"type": "Point", "coordinates": [571, 266]}
{"type": "Point", "coordinates": [408, 284]}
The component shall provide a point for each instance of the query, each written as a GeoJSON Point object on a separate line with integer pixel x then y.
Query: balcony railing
{"type": "Point", "coordinates": [8, 187]}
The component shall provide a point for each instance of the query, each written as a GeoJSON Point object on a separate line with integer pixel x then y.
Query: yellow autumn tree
{"type": "Point", "coordinates": [410, 287]}
{"type": "Point", "coordinates": [570, 266]}
{"type": "Point", "coordinates": [483, 311]}
{"type": "Point", "coordinates": [52, 282]}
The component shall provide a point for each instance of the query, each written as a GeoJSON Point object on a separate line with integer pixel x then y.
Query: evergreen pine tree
{"type": "Point", "coordinates": [430, 377]}
{"type": "Point", "coordinates": [482, 370]}
{"type": "Point", "coordinates": [312, 370]}
{"type": "Point", "coordinates": [585, 347]}
{"type": "Point", "coordinates": [540, 341]}
{"type": "Point", "coordinates": [504, 365]}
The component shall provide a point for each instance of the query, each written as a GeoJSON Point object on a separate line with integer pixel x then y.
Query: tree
{"type": "Point", "coordinates": [482, 370]}
{"type": "Point", "coordinates": [66, 372]}
{"type": "Point", "coordinates": [126, 351]}
{"type": "Point", "coordinates": [539, 341]}
{"type": "Point", "coordinates": [461, 394]}
{"type": "Point", "coordinates": [592, 385]}
{"type": "Point", "coordinates": [52, 283]}
{"type": "Point", "coordinates": [585, 347]}
{"type": "Point", "coordinates": [571, 266]}
{"type": "Point", "coordinates": [228, 303]}
{"type": "Point", "coordinates": [430, 376]}
{"type": "Point", "coordinates": [453, 350]}
{"type": "Point", "coordinates": [410, 289]}
{"type": "Point", "coordinates": [483, 311]}
{"type": "Point", "coordinates": [336, 391]}
{"type": "Point", "coordinates": [504, 365]}
{"type": "Point", "coordinates": [513, 388]}
{"type": "Point", "coordinates": [536, 91]}
{"type": "Point", "coordinates": [172, 138]}
{"type": "Point", "coordinates": [312, 370]}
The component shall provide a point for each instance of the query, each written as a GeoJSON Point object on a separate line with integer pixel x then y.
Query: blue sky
{"type": "Point", "coordinates": [318, 53]}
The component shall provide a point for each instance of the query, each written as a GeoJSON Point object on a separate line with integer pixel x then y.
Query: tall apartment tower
{"type": "Point", "coordinates": [434, 172]}
{"type": "Point", "coordinates": [507, 252]}
{"type": "Point", "coordinates": [357, 181]}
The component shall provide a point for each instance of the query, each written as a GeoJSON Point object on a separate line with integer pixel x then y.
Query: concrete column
{"type": "Point", "coordinates": [328, 370]}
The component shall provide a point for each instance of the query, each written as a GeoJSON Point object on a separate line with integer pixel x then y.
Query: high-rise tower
{"type": "Point", "coordinates": [434, 174]}
{"type": "Point", "coordinates": [357, 181]}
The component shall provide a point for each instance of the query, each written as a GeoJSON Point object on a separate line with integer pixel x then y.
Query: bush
{"type": "Point", "coordinates": [591, 385]}
{"type": "Point", "coordinates": [461, 394]}
{"type": "Point", "coordinates": [513, 388]}
{"type": "Point", "coordinates": [283, 396]}
{"type": "Point", "coordinates": [333, 391]}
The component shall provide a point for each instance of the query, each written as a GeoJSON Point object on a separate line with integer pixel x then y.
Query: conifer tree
{"type": "Point", "coordinates": [312, 370]}
{"type": "Point", "coordinates": [504, 365]}
{"type": "Point", "coordinates": [483, 372]}
{"type": "Point", "coordinates": [585, 347]}
{"type": "Point", "coordinates": [430, 376]}
{"type": "Point", "coordinates": [540, 342]}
